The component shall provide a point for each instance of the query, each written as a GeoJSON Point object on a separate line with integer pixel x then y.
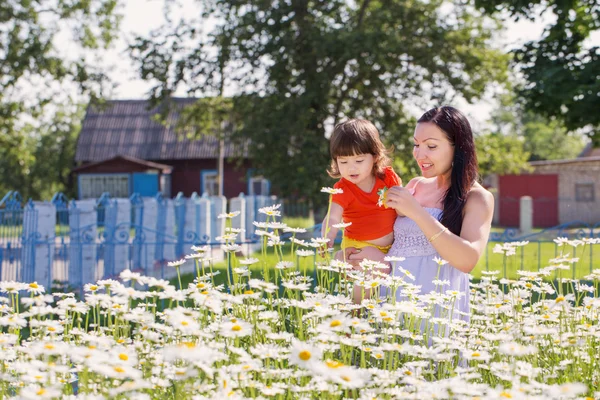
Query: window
{"type": "Point", "coordinates": [584, 192]}
{"type": "Point", "coordinates": [259, 186]}
{"type": "Point", "coordinates": [92, 186]}
{"type": "Point", "coordinates": [209, 182]}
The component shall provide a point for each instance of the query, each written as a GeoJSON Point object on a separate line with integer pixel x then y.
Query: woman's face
{"type": "Point", "coordinates": [432, 150]}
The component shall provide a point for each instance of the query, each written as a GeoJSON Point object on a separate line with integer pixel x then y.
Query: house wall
{"type": "Point", "coordinates": [186, 176]}
{"type": "Point", "coordinates": [116, 166]}
{"type": "Point", "coordinates": [569, 209]}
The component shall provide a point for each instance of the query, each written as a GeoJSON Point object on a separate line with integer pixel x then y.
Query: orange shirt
{"type": "Point", "coordinates": [369, 221]}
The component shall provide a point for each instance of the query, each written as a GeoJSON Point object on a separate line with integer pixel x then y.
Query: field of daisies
{"type": "Point", "coordinates": [291, 331]}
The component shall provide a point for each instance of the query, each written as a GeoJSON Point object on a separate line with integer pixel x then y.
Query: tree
{"type": "Point", "coordinates": [561, 73]}
{"type": "Point", "coordinates": [298, 66]}
{"type": "Point", "coordinates": [543, 138]}
{"type": "Point", "coordinates": [37, 160]}
{"type": "Point", "coordinates": [501, 154]}
{"type": "Point", "coordinates": [34, 73]}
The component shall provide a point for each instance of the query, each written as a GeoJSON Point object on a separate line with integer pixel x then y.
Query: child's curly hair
{"type": "Point", "coordinates": [354, 137]}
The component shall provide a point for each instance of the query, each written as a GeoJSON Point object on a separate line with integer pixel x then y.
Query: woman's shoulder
{"type": "Point", "coordinates": [480, 197]}
{"type": "Point", "coordinates": [415, 181]}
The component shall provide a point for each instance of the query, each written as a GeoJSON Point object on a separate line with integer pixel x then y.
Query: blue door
{"type": "Point", "coordinates": [145, 184]}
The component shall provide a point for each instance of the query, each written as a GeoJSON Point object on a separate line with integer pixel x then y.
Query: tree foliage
{"type": "Point", "coordinates": [37, 160]}
{"type": "Point", "coordinates": [299, 66]}
{"type": "Point", "coordinates": [34, 71]}
{"type": "Point", "coordinates": [542, 137]}
{"type": "Point", "coordinates": [560, 70]}
{"type": "Point", "coordinates": [501, 154]}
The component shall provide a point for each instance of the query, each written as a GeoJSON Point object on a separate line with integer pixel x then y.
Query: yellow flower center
{"type": "Point", "coordinates": [407, 372]}
{"type": "Point", "coordinates": [49, 346]}
{"type": "Point", "coordinates": [93, 287]}
{"type": "Point", "coordinates": [249, 292]}
{"type": "Point", "coordinates": [236, 328]}
{"type": "Point", "coordinates": [200, 285]}
{"type": "Point", "coordinates": [333, 364]}
{"type": "Point", "coordinates": [33, 285]}
{"type": "Point", "coordinates": [184, 323]}
{"type": "Point", "coordinates": [346, 378]}
{"type": "Point", "coordinates": [506, 395]}
{"type": "Point", "coordinates": [52, 329]}
{"type": "Point", "coordinates": [560, 298]}
{"type": "Point", "coordinates": [41, 392]}
{"type": "Point", "coordinates": [335, 322]}
{"type": "Point", "coordinates": [119, 370]}
{"type": "Point", "coordinates": [305, 355]}
{"type": "Point", "coordinates": [123, 357]}
{"type": "Point", "coordinates": [476, 354]}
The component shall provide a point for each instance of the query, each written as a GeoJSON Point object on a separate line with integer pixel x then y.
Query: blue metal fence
{"type": "Point", "coordinates": [542, 247]}
{"type": "Point", "coordinates": [94, 240]}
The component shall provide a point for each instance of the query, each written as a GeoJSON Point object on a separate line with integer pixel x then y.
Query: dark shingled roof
{"type": "Point", "coordinates": [126, 127]}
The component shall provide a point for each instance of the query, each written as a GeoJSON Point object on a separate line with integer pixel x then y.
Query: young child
{"type": "Point", "coordinates": [360, 159]}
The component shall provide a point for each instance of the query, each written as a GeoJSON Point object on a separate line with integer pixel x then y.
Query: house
{"type": "Point", "coordinates": [123, 150]}
{"type": "Point", "coordinates": [563, 191]}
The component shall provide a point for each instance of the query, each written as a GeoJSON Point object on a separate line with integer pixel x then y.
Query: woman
{"type": "Point", "coordinates": [444, 213]}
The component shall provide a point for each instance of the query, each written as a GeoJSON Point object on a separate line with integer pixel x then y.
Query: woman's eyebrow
{"type": "Point", "coordinates": [424, 140]}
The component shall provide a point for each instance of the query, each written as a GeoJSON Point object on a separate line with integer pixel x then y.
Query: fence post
{"type": "Point", "coordinates": [198, 221]}
{"type": "Point", "coordinates": [239, 204]}
{"type": "Point", "coordinates": [60, 270]}
{"type": "Point", "coordinates": [526, 215]}
{"type": "Point", "coordinates": [83, 232]}
{"type": "Point", "coordinates": [43, 239]}
{"type": "Point", "coordinates": [150, 217]}
{"type": "Point", "coordinates": [218, 205]}
{"type": "Point", "coordinates": [180, 213]}
{"type": "Point", "coordinates": [170, 240]}
{"type": "Point", "coordinates": [250, 215]}
{"type": "Point", "coordinates": [120, 235]}
{"type": "Point", "coordinates": [111, 209]}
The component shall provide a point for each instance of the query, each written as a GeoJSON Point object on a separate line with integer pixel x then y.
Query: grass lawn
{"type": "Point", "coordinates": [527, 258]}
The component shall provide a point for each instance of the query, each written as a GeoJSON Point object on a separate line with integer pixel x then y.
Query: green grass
{"type": "Point", "coordinates": [298, 222]}
{"type": "Point", "coordinates": [536, 255]}
{"type": "Point", "coordinates": [530, 258]}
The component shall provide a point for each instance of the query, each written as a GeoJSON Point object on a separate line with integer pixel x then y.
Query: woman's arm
{"type": "Point", "coordinates": [462, 252]}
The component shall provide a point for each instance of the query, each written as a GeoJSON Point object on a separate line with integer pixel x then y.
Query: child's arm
{"type": "Point", "coordinates": [335, 217]}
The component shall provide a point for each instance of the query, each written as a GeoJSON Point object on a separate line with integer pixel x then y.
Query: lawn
{"type": "Point", "coordinates": [531, 257]}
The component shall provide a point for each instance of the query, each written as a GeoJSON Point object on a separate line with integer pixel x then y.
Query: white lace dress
{"type": "Point", "coordinates": [411, 243]}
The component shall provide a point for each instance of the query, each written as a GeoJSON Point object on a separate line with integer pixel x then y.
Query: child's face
{"type": "Point", "coordinates": [357, 169]}
{"type": "Point", "coordinates": [432, 150]}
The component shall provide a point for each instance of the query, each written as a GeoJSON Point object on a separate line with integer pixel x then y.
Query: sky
{"type": "Point", "coordinates": [141, 16]}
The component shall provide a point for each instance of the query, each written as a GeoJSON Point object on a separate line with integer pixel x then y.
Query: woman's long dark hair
{"type": "Point", "coordinates": [464, 165]}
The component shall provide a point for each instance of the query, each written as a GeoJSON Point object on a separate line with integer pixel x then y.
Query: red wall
{"type": "Point", "coordinates": [186, 176]}
{"type": "Point", "coordinates": [543, 189]}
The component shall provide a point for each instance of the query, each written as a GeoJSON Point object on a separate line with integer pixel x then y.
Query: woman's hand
{"type": "Point", "coordinates": [401, 199]}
